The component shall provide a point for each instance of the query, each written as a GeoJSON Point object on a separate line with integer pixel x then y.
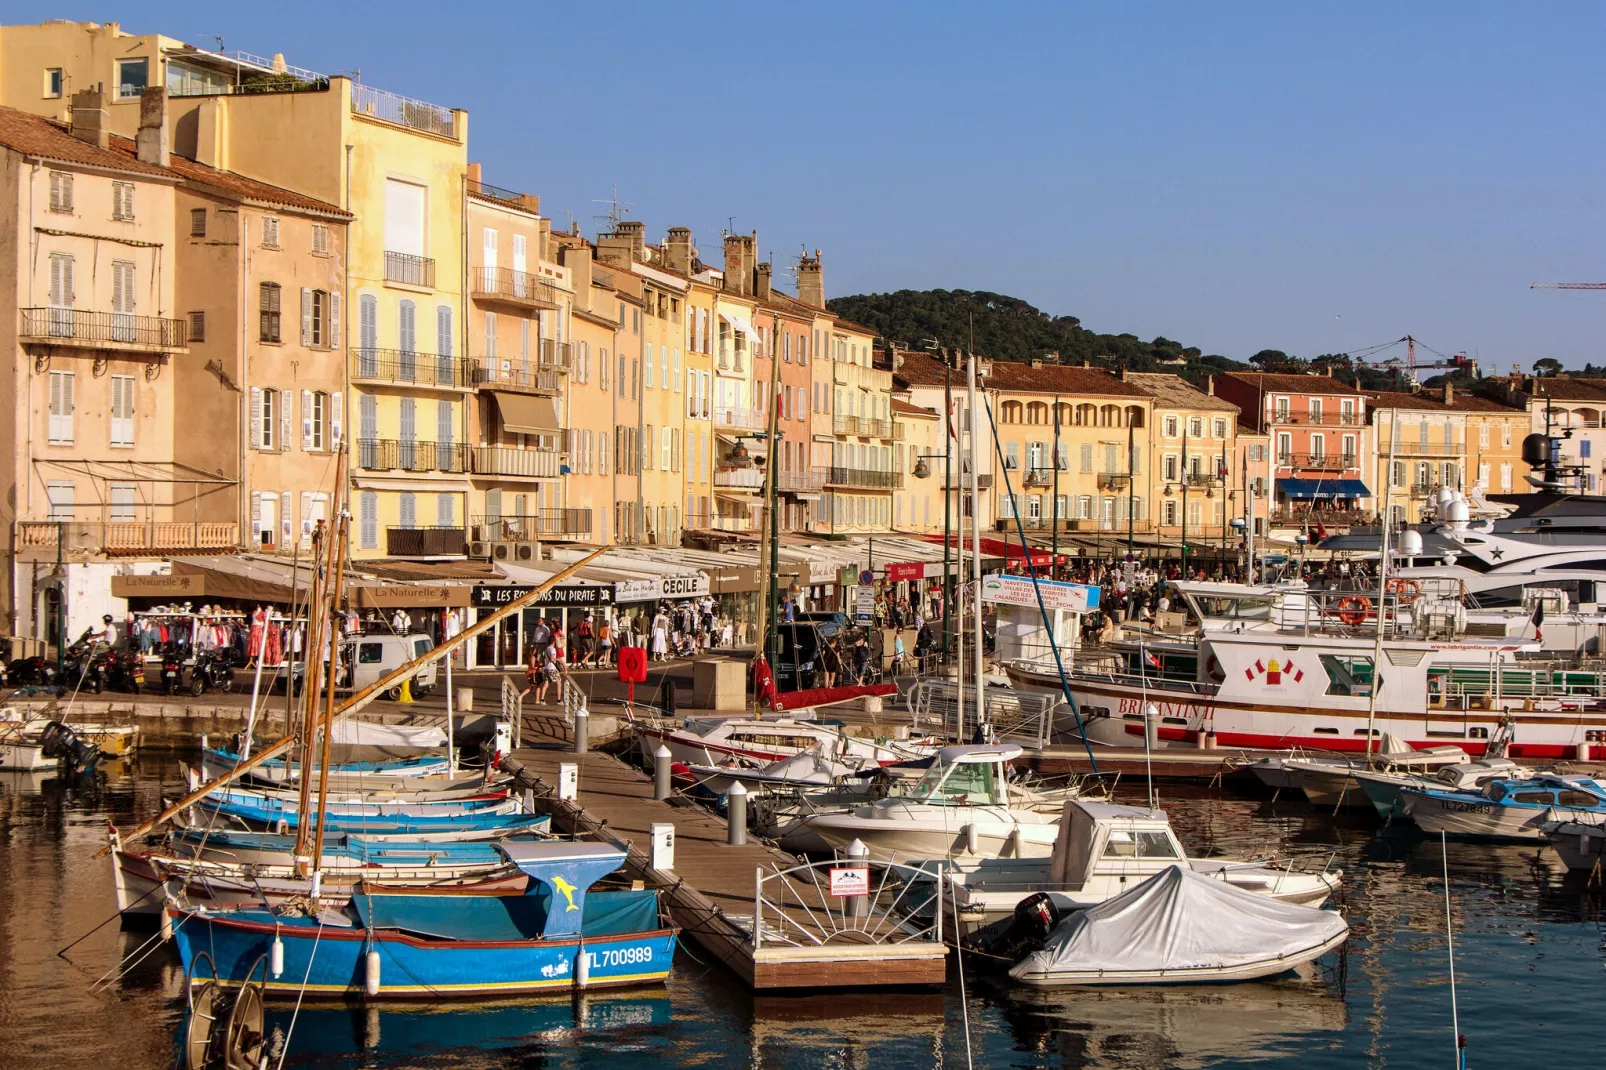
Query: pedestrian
{"type": "Point", "coordinates": [831, 660]}
{"type": "Point", "coordinates": [532, 669]}
{"type": "Point", "coordinates": [604, 644]}
{"type": "Point", "coordinates": [549, 672]}
{"type": "Point", "coordinates": [583, 635]}
{"type": "Point", "coordinates": [540, 635]}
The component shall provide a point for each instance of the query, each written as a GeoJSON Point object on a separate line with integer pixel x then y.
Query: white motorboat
{"type": "Point", "coordinates": [1103, 850]}
{"type": "Point", "coordinates": [1330, 780]}
{"type": "Point", "coordinates": [1382, 787]}
{"type": "Point", "coordinates": [963, 805]}
{"type": "Point", "coordinates": [1581, 845]}
{"type": "Point", "coordinates": [1506, 809]}
{"type": "Point", "coordinates": [1181, 927]}
{"type": "Point", "coordinates": [757, 741]}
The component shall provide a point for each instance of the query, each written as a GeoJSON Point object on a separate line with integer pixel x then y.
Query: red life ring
{"type": "Point", "coordinates": [1354, 609]}
{"type": "Point", "coordinates": [1406, 590]}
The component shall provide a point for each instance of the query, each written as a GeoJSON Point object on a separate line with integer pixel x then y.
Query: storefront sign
{"type": "Point", "coordinates": [850, 880]}
{"type": "Point", "coordinates": [847, 577]}
{"type": "Point", "coordinates": [735, 579]}
{"type": "Point", "coordinates": [864, 605]}
{"type": "Point", "coordinates": [1018, 591]}
{"type": "Point", "coordinates": [157, 586]}
{"type": "Point", "coordinates": [637, 591]}
{"type": "Point", "coordinates": [562, 595]}
{"type": "Point", "coordinates": [913, 571]}
{"type": "Point", "coordinates": [409, 595]}
{"type": "Point", "coordinates": [691, 586]}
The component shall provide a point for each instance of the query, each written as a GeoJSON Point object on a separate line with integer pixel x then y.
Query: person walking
{"type": "Point", "coordinates": [583, 634]}
{"type": "Point", "coordinates": [604, 644]}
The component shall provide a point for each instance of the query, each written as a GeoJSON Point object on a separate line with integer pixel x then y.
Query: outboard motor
{"type": "Point", "coordinates": [1035, 918]}
{"type": "Point", "coordinates": [61, 742]}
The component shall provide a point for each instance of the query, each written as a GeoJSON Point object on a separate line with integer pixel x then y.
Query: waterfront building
{"type": "Point", "coordinates": [1193, 443]}
{"type": "Point", "coordinates": [736, 420]}
{"type": "Point", "coordinates": [917, 504]}
{"type": "Point", "coordinates": [1572, 410]}
{"type": "Point", "coordinates": [862, 476]}
{"type": "Point", "coordinates": [1436, 438]}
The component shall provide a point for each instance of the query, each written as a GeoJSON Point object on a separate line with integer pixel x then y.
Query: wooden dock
{"type": "Point", "coordinates": [712, 890]}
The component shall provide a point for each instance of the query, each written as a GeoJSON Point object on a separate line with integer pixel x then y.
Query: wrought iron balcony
{"type": "Point", "coordinates": [491, 373]}
{"type": "Point", "coordinates": [386, 454]}
{"type": "Point", "coordinates": [1326, 419]}
{"type": "Point", "coordinates": [1043, 477]}
{"type": "Point", "coordinates": [867, 426]}
{"type": "Point", "coordinates": [409, 270]}
{"type": "Point", "coordinates": [743, 479]}
{"type": "Point", "coordinates": [104, 330]}
{"type": "Point", "coordinates": [418, 369]}
{"type": "Point", "coordinates": [864, 478]}
{"type": "Point", "coordinates": [507, 461]}
{"type": "Point", "coordinates": [403, 111]}
{"type": "Point", "coordinates": [800, 480]}
{"type": "Point", "coordinates": [1317, 462]}
{"type": "Point", "coordinates": [425, 542]}
{"type": "Point", "coordinates": [126, 537]}
{"type": "Point", "coordinates": [501, 285]}
{"type": "Point", "coordinates": [541, 524]}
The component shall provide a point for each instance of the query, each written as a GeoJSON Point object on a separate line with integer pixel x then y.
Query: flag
{"type": "Point", "coordinates": [1149, 656]}
{"type": "Point", "coordinates": [1539, 618]}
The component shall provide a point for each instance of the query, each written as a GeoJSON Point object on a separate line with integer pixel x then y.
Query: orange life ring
{"type": "Point", "coordinates": [1406, 590]}
{"type": "Point", "coordinates": [1354, 609]}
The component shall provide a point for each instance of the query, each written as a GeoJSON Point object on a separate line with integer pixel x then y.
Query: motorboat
{"type": "Point", "coordinates": [1382, 787]}
{"type": "Point", "coordinates": [1505, 809]}
{"type": "Point", "coordinates": [1102, 850]}
{"type": "Point", "coordinates": [443, 945]}
{"type": "Point", "coordinates": [1580, 844]}
{"type": "Point", "coordinates": [962, 805]}
{"type": "Point", "coordinates": [757, 741]}
{"type": "Point", "coordinates": [1330, 780]}
{"type": "Point", "coordinates": [1180, 927]}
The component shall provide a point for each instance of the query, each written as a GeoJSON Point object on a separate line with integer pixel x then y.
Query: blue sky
{"type": "Point", "coordinates": [1307, 177]}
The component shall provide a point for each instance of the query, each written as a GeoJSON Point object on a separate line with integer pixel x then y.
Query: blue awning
{"type": "Point", "coordinates": [1322, 488]}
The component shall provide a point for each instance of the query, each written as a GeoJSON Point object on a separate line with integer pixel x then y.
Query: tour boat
{"type": "Point", "coordinates": [1506, 809]}
{"type": "Point", "coordinates": [710, 741]}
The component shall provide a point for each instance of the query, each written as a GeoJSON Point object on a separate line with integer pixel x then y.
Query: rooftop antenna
{"type": "Point", "coordinates": [216, 37]}
{"type": "Point", "coordinates": [617, 210]}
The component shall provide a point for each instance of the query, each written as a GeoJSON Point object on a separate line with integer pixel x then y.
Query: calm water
{"type": "Point", "coordinates": [1529, 965]}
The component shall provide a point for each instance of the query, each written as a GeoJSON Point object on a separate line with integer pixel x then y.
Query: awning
{"type": "Point", "coordinates": [740, 322]}
{"type": "Point", "coordinates": [1299, 489]}
{"type": "Point", "coordinates": [528, 415]}
{"type": "Point", "coordinates": [1008, 550]}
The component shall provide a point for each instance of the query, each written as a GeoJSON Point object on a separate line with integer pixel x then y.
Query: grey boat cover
{"type": "Point", "coordinates": [1179, 920]}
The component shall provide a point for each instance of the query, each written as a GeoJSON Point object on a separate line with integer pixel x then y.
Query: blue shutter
{"type": "Point", "coordinates": [407, 341]}
{"type": "Point", "coordinates": [368, 335]}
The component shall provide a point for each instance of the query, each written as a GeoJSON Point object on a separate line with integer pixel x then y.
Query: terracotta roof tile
{"type": "Point", "coordinates": [1291, 384]}
{"type": "Point", "coordinates": [1433, 401]}
{"type": "Point", "coordinates": [50, 140]}
{"type": "Point", "coordinates": [907, 409]}
{"type": "Point", "coordinates": [249, 188]}
{"type": "Point", "coordinates": [1059, 379]}
{"type": "Point", "coordinates": [1176, 392]}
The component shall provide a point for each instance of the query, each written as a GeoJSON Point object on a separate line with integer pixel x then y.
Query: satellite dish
{"type": "Point", "coordinates": [1411, 543]}
{"type": "Point", "coordinates": [1456, 512]}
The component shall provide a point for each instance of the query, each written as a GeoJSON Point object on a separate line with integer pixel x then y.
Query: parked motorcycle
{"type": "Point", "coordinates": [125, 670]}
{"type": "Point", "coordinates": [210, 672]}
{"type": "Point", "coordinates": [172, 677]}
{"type": "Point", "coordinates": [36, 671]}
{"type": "Point", "coordinates": [85, 668]}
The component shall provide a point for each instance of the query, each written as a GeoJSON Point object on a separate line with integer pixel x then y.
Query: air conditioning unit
{"type": "Point", "coordinates": [479, 548]}
{"type": "Point", "coordinates": [502, 551]}
{"type": "Point", "coordinates": [525, 551]}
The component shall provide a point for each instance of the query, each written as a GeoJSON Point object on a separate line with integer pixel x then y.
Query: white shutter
{"type": "Point", "coordinates": [256, 516]}
{"type": "Point", "coordinates": [443, 423]}
{"type": "Point", "coordinates": [306, 315]}
{"type": "Point", "coordinates": [286, 420]}
{"type": "Point", "coordinates": [369, 507]}
{"type": "Point", "coordinates": [519, 254]}
{"type": "Point", "coordinates": [256, 417]}
{"type": "Point", "coordinates": [489, 260]}
{"type": "Point", "coordinates": [286, 522]}
{"type": "Point", "coordinates": [306, 519]}
{"type": "Point", "coordinates": [306, 421]}
{"type": "Point", "coordinates": [67, 382]}
{"type": "Point", "coordinates": [443, 330]}
{"type": "Point", "coordinates": [334, 319]}
{"type": "Point", "coordinates": [337, 417]}
{"type": "Point", "coordinates": [404, 217]}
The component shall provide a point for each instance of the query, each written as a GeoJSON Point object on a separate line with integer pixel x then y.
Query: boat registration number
{"type": "Point", "coordinates": [1467, 808]}
{"type": "Point", "coordinates": [623, 956]}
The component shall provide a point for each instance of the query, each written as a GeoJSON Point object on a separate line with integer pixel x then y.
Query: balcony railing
{"type": "Point", "coordinates": [507, 286]}
{"type": "Point", "coordinates": [403, 111]}
{"type": "Point", "coordinates": [1326, 419]}
{"type": "Point", "coordinates": [1317, 462]}
{"type": "Point", "coordinates": [385, 454]}
{"type": "Point", "coordinates": [1043, 477]}
{"type": "Point", "coordinates": [506, 461]}
{"type": "Point", "coordinates": [543, 523]}
{"type": "Point", "coordinates": [738, 418]}
{"type": "Point", "coordinates": [126, 536]}
{"type": "Point", "coordinates": [425, 542]}
{"type": "Point", "coordinates": [864, 478]}
{"type": "Point", "coordinates": [420, 369]}
{"type": "Point", "coordinates": [732, 522]}
{"type": "Point", "coordinates": [496, 193]}
{"type": "Point", "coordinates": [868, 426]}
{"type": "Point", "coordinates": [493, 374]}
{"type": "Point", "coordinates": [1407, 447]}
{"type": "Point", "coordinates": [961, 480]}
{"type": "Point", "coordinates": [409, 270]}
{"type": "Point", "coordinates": [103, 330]}
{"type": "Point", "coordinates": [739, 478]}
{"type": "Point", "coordinates": [800, 480]}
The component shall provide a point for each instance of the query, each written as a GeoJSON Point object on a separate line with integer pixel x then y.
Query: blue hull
{"type": "Point", "coordinates": [334, 963]}
{"type": "Point", "coordinates": [427, 763]}
{"type": "Point", "coordinates": [376, 852]}
{"type": "Point", "coordinates": [401, 825]}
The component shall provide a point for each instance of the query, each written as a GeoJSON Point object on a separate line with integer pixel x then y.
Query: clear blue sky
{"type": "Point", "coordinates": [1234, 176]}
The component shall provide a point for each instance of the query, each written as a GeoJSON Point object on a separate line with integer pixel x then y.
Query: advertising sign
{"type": "Point", "coordinates": [850, 880]}
{"type": "Point", "coordinates": [864, 605]}
{"type": "Point", "coordinates": [691, 586]}
{"type": "Point", "coordinates": [561, 595]}
{"type": "Point", "coordinates": [913, 571]}
{"type": "Point", "coordinates": [1018, 591]}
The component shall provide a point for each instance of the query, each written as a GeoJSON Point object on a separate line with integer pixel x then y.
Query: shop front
{"type": "Point", "coordinates": [507, 644]}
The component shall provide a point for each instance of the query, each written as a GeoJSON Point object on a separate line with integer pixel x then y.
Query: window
{"type": "Point", "coordinates": [60, 191]}
{"type": "Point", "coordinates": [197, 327]}
{"type": "Point", "coordinates": [122, 432]}
{"type": "Point", "coordinates": [446, 510]}
{"type": "Point", "coordinates": [123, 202]}
{"type": "Point", "coordinates": [407, 511]}
{"type": "Point", "coordinates": [1195, 427]}
{"type": "Point", "coordinates": [1483, 436]}
{"type": "Point", "coordinates": [1280, 408]}
{"type": "Point", "coordinates": [1505, 477]}
{"type": "Point", "coordinates": [268, 298]}
{"type": "Point", "coordinates": [197, 222]}
{"type": "Point", "coordinates": [1169, 468]}
{"type": "Point", "coordinates": [133, 76]}
{"type": "Point", "coordinates": [1285, 448]}
{"type": "Point", "coordinates": [1315, 410]}
{"type": "Point", "coordinates": [270, 232]}
{"type": "Point", "coordinates": [368, 520]}
{"type": "Point", "coordinates": [320, 239]}
{"type": "Point", "coordinates": [1318, 448]}
{"type": "Point", "coordinates": [1583, 448]}
{"type": "Point", "coordinates": [1087, 458]}
{"type": "Point", "coordinates": [61, 500]}
{"type": "Point", "coordinates": [314, 421]}
{"type": "Point", "coordinates": [1124, 844]}
{"type": "Point", "coordinates": [1218, 428]}
{"type": "Point", "coordinates": [1348, 676]}
{"type": "Point", "coordinates": [61, 292]}
{"type": "Point", "coordinates": [1505, 436]}
{"type": "Point", "coordinates": [61, 409]}
{"type": "Point", "coordinates": [123, 300]}
{"type": "Point", "coordinates": [317, 319]}
{"type": "Point", "coordinates": [53, 82]}
{"type": "Point", "coordinates": [122, 503]}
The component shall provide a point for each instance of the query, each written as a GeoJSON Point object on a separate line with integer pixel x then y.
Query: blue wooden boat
{"type": "Point", "coordinates": [1506, 808]}
{"type": "Point", "coordinates": [278, 770]}
{"type": "Point", "coordinates": [497, 803]}
{"type": "Point", "coordinates": [432, 828]}
{"type": "Point", "coordinates": [556, 936]}
{"type": "Point", "coordinates": [341, 850]}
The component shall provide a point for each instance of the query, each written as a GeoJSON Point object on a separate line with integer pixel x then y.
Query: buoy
{"type": "Point", "coordinates": [370, 978]}
{"type": "Point", "coordinates": [973, 839]}
{"type": "Point", "coordinates": [276, 957]}
{"type": "Point", "coordinates": [406, 690]}
{"type": "Point", "coordinates": [582, 967]}
{"type": "Point", "coordinates": [167, 926]}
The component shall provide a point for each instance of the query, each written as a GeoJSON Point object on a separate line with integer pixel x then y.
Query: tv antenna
{"type": "Point", "coordinates": [617, 210]}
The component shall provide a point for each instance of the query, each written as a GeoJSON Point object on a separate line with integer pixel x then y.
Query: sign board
{"type": "Point", "coordinates": [846, 577]}
{"type": "Point", "coordinates": [731, 580]}
{"type": "Point", "coordinates": [392, 595]}
{"type": "Point", "coordinates": [158, 586]}
{"type": "Point", "coordinates": [864, 605]}
{"type": "Point", "coordinates": [850, 880]}
{"type": "Point", "coordinates": [562, 595]}
{"type": "Point", "coordinates": [1018, 591]}
{"type": "Point", "coordinates": [867, 576]}
{"type": "Point", "coordinates": [648, 590]}
{"type": "Point", "coordinates": [694, 585]}
{"type": "Point", "coordinates": [912, 571]}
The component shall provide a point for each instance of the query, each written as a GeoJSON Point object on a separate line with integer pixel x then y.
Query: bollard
{"type": "Point", "coordinates": [660, 773]}
{"type": "Point", "coordinates": [568, 782]}
{"type": "Point", "coordinates": [736, 814]}
{"type": "Point", "coordinates": [582, 730]}
{"type": "Point", "coordinates": [1151, 726]}
{"type": "Point", "coordinates": [857, 906]}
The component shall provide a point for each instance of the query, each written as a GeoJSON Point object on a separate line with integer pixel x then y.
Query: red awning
{"type": "Point", "coordinates": [1009, 550]}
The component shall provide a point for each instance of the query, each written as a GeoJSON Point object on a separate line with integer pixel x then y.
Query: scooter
{"type": "Point", "coordinates": [210, 671]}
{"type": "Point", "coordinates": [172, 670]}
{"type": "Point", "coordinates": [125, 670]}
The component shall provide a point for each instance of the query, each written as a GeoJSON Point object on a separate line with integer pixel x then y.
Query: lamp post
{"type": "Point", "coordinates": [1185, 500]}
{"type": "Point", "coordinates": [922, 470]}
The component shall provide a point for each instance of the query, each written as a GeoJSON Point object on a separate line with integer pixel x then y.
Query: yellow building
{"type": "Point", "coordinates": [1193, 446]}
{"type": "Point", "coordinates": [917, 505]}
{"type": "Point", "coordinates": [862, 475]}
{"type": "Point", "coordinates": [93, 333]}
{"type": "Point", "coordinates": [1439, 438]}
{"type": "Point", "coordinates": [680, 256]}
{"type": "Point", "coordinates": [737, 419]}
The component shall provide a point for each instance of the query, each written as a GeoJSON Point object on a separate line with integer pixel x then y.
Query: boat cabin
{"type": "Point", "coordinates": [967, 776]}
{"type": "Point", "coordinates": [1104, 840]}
{"type": "Point", "coordinates": [1566, 792]}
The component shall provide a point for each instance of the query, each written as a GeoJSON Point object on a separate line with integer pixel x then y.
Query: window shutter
{"type": "Point", "coordinates": [443, 330]}
{"type": "Point", "coordinates": [306, 518]}
{"type": "Point", "coordinates": [306, 421]}
{"type": "Point", "coordinates": [369, 532]}
{"type": "Point", "coordinates": [1137, 460]}
{"type": "Point", "coordinates": [443, 421]}
{"type": "Point", "coordinates": [256, 419]}
{"type": "Point", "coordinates": [369, 426]}
{"type": "Point", "coordinates": [256, 517]}
{"type": "Point", "coordinates": [409, 512]}
{"type": "Point", "coordinates": [409, 430]}
{"type": "Point", "coordinates": [334, 319]}
{"type": "Point", "coordinates": [306, 315]}
{"type": "Point", "coordinates": [285, 520]}
{"type": "Point", "coordinates": [337, 418]}
{"type": "Point", "coordinates": [286, 420]}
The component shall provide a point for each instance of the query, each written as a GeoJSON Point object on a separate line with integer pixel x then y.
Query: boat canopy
{"type": "Point", "coordinates": [1000, 752]}
{"type": "Point", "coordinates": [1178, 920]}
{"type": "Point", "coordinates": [566, 870]}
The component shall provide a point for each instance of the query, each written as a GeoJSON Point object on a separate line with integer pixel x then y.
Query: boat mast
{"type": "Point", "coordinates": [323, 546]}
{"type": "Point", "coordinates": [1382, 594]}
{"type": "Point", "coordinates": [342, 524]}
{"type": "Point", "coordinates": [975, 539]}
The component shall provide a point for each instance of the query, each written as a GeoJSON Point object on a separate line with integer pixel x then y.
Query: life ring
{"type": "Point", "coordinates": [1354, 609]}
{"type": "Point", "coordinates": [1406, 590]}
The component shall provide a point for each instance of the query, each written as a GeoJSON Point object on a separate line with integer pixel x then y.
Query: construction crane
{"type": "Point", "coordinates": [1406, 367]}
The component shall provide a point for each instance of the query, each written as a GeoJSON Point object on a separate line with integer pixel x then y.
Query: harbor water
{"type": "Point", "coordinates": [1529, 966]}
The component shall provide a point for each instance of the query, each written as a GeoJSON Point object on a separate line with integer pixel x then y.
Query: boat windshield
{"type": "Point", "coordinates": [1232, 607]}
{"type": "Point", "coordinates": [965, 783]}
{"type": "Point", "coordinates": [1124, 844]}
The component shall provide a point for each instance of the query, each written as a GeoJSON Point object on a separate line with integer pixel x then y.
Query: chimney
{"type": "Point", "coordinates": [677, 250]}
{"type": "Point", "coordinates": [474, 173]}
{"type": "Point", "coordinates": [810, 281]}
{"type": "Point", "coordinates": [1449, 392]}
{"type": "Point", "coordinates": [89, 121]}
{"type": "Point", "coordinates": [737, 280]}
{"type": "Point", "coordinates": [761, 283]}
{"type": "Point", "coordinates": [1038, 363]}
{"type": "Point", "coordinates": [1087, 363]}
{"type": "Point", "coordinates": [577, 258]}
{"type": "Point", "coordinates": [151, 142]}
{"type": "Point", "coordinates": [623, 245]}
{"type": "Point", "coordinates": [1210, 385]}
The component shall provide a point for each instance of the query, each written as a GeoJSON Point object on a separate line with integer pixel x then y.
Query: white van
{"type": "Point", "coordinates": [365, 659]}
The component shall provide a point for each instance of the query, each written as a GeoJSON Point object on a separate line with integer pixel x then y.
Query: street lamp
{"type": "Point", "coordinates": [922, 470]}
